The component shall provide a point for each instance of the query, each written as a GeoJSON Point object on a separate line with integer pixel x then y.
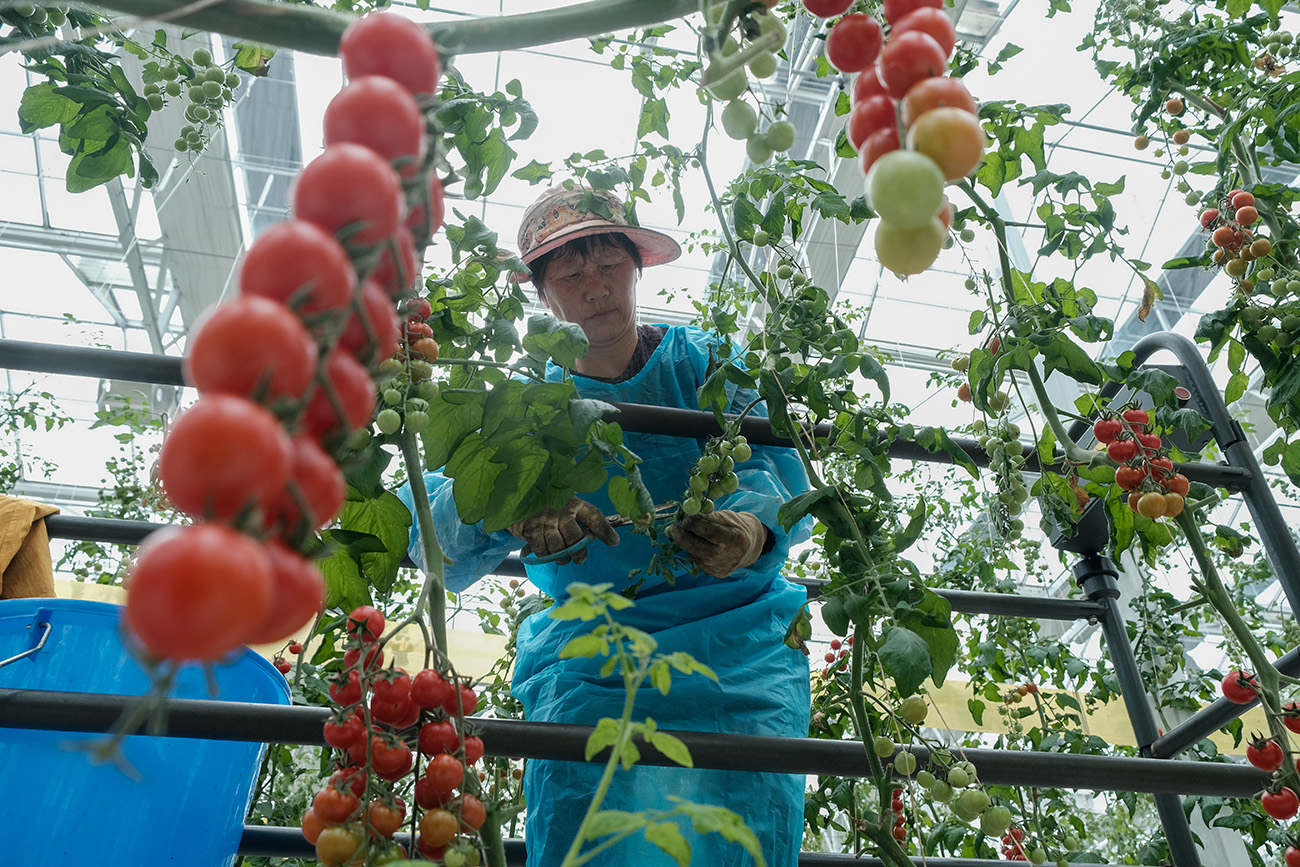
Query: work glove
{"type": "Point", "coordinates": [553, 530]}
{"type": "Point", "coordinates": [721, 542]}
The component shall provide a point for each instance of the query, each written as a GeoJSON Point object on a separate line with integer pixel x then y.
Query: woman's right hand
{"type": "Point", "coordinates": [553, 530]}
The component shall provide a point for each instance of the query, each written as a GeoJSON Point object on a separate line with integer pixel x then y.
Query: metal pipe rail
{"type": "Point", "coordinates": [274, 842]}
{"type": "Point", "coordinates": [122, 532]}
{"type": "Point", "coordinates": [144, 367]}
{"type": "Point", "coordinates": [265, 723]}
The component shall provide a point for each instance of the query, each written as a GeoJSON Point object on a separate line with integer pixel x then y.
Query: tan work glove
{"type": "Point", "coordinates": [553, 530]}
{"type": "Point", "coordinates": [721, 542]}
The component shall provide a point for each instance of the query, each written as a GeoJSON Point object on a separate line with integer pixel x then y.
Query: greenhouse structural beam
{"type": "Point", "coordinates": [641, 418]}
{"type": "Point", "coordinates": [238, 721]}
{"type": "Point", "coordinates": [262, 841]}
{"type": "Point", "coordinates": [117, 531]}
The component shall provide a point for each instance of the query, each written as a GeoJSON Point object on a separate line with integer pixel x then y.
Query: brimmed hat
{"type": "Point", "coordinates": [561, 215]}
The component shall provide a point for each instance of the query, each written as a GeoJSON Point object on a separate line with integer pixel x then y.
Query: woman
{"type": "Point", "coordinates": [585, 260]}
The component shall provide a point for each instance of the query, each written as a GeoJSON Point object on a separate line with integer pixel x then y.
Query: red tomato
{"type": "Point", "coordinates": [908, 59]}
{"type": "Point", "coordinates": [344, 734]}
{"type": "Point", "coordinates": [867, 84]}
{"type": "Point", "coordinates": [390, 761]}
{"type": "Point", "coordinates": [314, 481]}
{"type": "Point", "coordinates": [468, 701]}
{"type": "Point", "coordinates": [930, 21]}
{"type": "Point", "coordinates": [385, 818]}
{"type": "Point", "coordinates": [418, 308]}
{"type": "Point", "coordinates": [376, 338]}
{"type": "Point", "coordinates": [374, 658]}
{"type": "Point", "coordinates": [897, 9]}
{"type": "Point", "coordinates": [428, 795]}
{"type": "Point", "coordinates": [1160, 468]}
{"type": "Point", "coordinates": [473, 749]}
{"type": "Point", "coordinates": [350, 191]}
{"type": "Point", "coordinates": [300, 265]}
{"type": "Point", "coordinates": [222, 455]}
{"type": "Point", "coordinates": [346, 690]}
{"type": "Point", "coordinates": [385, 43]}
{"type": "Point", "coordinates": [429, 690]}
{"type": "Point", "coordinates": [854, 42]}
{"type": "Point", "coordinates": [438, 827]}
{"type": "Point", "coordinates": [351, 779]}
{"type": "Point", "coordinates": [311, 826]}
{"type": "Point", "coordinates": [868, 116]}
{"type": "Point", "coordinates": [445, 771]}
{"type": "Point", "coordinates": [1239, 687]}
{"type": "Point", "coordinates": [1291, 716]}
{"type": "Point", "coordinates": [366, 622]}
{"type": "Point", "coordinates": [1122, 451]}
{"type": "Point", "coordinates": [827, 8]}
{"type": "Point", "coordinates": [1292, 856]}
{"type": "Point", "coordinates": [415, 221]}
{"type": "Point", "coordinates": [351, 384]}
{"type": "Point", "coordinates": [1265, 754]}
{"type": "Point", "coordinates": [251, 347]}
{"type": "Point", "coordinates": [333, 806]}
{"type": "Point", "coordinates": [1129, 478]}
{"type": "Point", "coordinates": [387, 274]}
{"type": "Point", "coordinates": [1281, 805]}
{"type": "Point", "coordinates": [1177, 484]}
{"type": "Point", "coordinates": [1148, 441]}
{"type": "Point", "coordinates": [394, 685]}
{"type": "Point", "coordinates": [1136, 417]}
{"type": "Point", "coordinates": [939, 92]}
{"type": "Point", "coordinates": [439, 737]}
{"type": "Point", "coordinates": [472, 813]}
{"type": "Point", "coordinates": [194, 591]}
{"type": "Point", "coordinates": [297, 595]}
{"type": "Point", "coordinates": [1106, 430]}
{"type": "Point", "coordinates": [378, 113]}
{"type": "Point", "coordinates": [1208, 216]}
{"type": "Point", "coordinates": [879, 143]}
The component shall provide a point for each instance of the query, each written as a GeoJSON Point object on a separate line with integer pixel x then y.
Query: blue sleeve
{"type": "Point", "coordinates": [472, 552]}
{"type": "Point", "coordinates": [772, 476]}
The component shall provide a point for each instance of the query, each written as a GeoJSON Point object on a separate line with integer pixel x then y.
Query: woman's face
{"type": "Point", "coordinates": [597, 293]}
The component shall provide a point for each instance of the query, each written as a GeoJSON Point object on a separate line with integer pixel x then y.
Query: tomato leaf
{"type": "Point", "coordinates": [449, 424]}
{"type": "Point", "coordinates": [905, 657]}
{"type": "Point", "coordinates": [935, 440]}
{"type": "Point", "coordinates": [668, 838]}
{"type": "Point", "coordinates": [584, 646]}
{"type": "Point", "coordinates": [671, 747]}
{"type": "Point", "coordinates": [608, 822]}
{"type": "Point", "coordinates": [710, 819]}
{"type": "Point", "coordinates": [603, 736]}
{"type": "Point", "coordinates": [386, 518]}
{"type": "Point", "coordinates": [518, 490]}
{"type": "Point", "coordinates": [473, 473]}
{"type": "Point", "coordinates": [344, 586]}
{"type": "Point", "coordinates": [976, 709]}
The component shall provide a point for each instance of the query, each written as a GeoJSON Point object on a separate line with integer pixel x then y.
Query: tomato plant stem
{"type": "Point", "coordinates": [492, 841]}
{"type": "Point", "coordinates": [317, 31]}
{"type": "Point", "coordinates": [434, 593]}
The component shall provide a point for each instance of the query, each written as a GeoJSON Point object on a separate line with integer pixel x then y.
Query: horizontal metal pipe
{"type": "Point", "coordinates": [217, 720]}
{"type": "Point", "coordinates": [120, 532]}
{"type": "Point", "coordinates": [670, 421]}
{"type": "Point", "coordinates": [274, 842]}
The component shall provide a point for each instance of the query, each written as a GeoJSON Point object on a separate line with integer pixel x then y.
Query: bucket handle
{"type": "Point", "coordinates": [45, 626]}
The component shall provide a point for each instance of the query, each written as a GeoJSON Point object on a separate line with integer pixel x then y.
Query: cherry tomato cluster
{"type": "Point", "coordinates": [902, 85]}
{"type": "Point", "coordinates": [282, 370]}
{"type": "Point", "coordinates": [405, 381]}
{"type": "Point", "coordinates": [373, 729]}
{"type": "Point", "coordinates": [715, 474]}
{"type": "Point", "coordinates": [1234, 244]}
{"type": "Point", "coordinates": [900, 819]}
{"type": "Point", "coordinates": [1014, 849]}
{"type": "Point", "coordinates": [836, 654]}
{"type": "Point", "coordinates": [751, 50]}
{"type": "Point", "coordinates": [1155, 490]}
{"type": "Point", "coordinates": [1001, 441]}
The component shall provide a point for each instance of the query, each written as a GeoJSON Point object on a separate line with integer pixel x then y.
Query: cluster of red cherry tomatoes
{"type": "Point", "coordinates": [1155, 490]}
{"type": "Point", "coordinates": [373, 729]}
{"type": "Point", "coordinates": [900, 819]}
{"type": "Point", "coordinates": [283, 369]}
{"type": "Point", "coordinates": [902, 85]}
{"type": "Point", "coordinates": [1235, 246]}
{"type": "Point", "coordinates": [1279, 801]}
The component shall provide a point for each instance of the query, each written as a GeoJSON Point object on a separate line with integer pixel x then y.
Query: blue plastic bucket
{"type": "Point", "coordinates": [59, 807]}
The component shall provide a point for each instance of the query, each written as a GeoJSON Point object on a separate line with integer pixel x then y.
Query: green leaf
{"type": "Point", "coordinates": [253, 58]}
{"type": "Point", "coordinates": [795, 509]}
{"type": "Point", "coordinates": [1235, 388]}
{"type": "Point", "coordinates": [905, 657]}
{"type": "Point", "coordinates": [912, 531]}
{"type": "Point", "coordinates": [608, 822]}
{"type": "Point", "coordinates": [603, 736]}
{"type": "Point", "coordinates": [449, 424]}
{"type": "Point", "coordinates": [668, 837]}
{"type": "Point", "coordinates": [548, 337]}
{"type": "Point", "coordinates": [386, 518]}
{"type": "Point", "coordinates": [520, 489]}
{"type": "Point", "coordinates": [671, 747]}
{"type": "Point", "coordinates": [473, 473]}
{"type": "Point", "coordinates": [1009, 51]}
{"type": "Point", "coordinates": [654, 118]}
{"type": "Point", "coordinates": [1065, 355]}
{"type": "Point", "coordinates": [344, 586]}
{"type": "Point", "coordinates": [710, 819]}
{"type": "Point", "coordinates": [41, 107]}
{"type": "Point", "coordinates": [534, 172]}
{"type": "Point", "coordinates": [584, 646]}
{"type": "Point", "coordinates": [871, 369]}
{"type": "Point", "coordinates": [976, 708]}
{"type": "Point", "coordinates": [935, 440]}
{"type": "Point", "coordinates": [89, 169]}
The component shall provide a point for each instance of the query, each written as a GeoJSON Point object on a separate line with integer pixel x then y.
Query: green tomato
{"type": "Point", "coordinates": [741, 453]}
{"type": "Point", "coordinates": [739, 120]}
{"type": "Point", "coordinates": [706, 506]}
{"type": "Point", "coordinates": [453, 858]}
{"type": "Point", "coordinates": [417, 420]}
{"type": "Point", "coordinates": [995, 821]}
{"type": "Point", "coordinates": [905, 763]}
{"type": "Point", "coordinates": [757, 149]}
{"type": "Point", "coordinates": [941, 791]}
{"type": "Point", "coordinates": [925, 779]}
{"type": "Point", "coordinates": [389, 421]}
{"type": "Point", "coordinates": [1071, 843]}
{"type": "Point", "coordinates": [181, 145]}
{"type": "Point", "coordinates": [211, 90]}
{"type": "Point", "coordinates": [961, 363]}
{"type": "Point", "coordinates": [1037, 855]}
{"type": "Point", "coordinates": [999, 402]}
{"type": "Point", "coordinates": [1180, 167]}
{"type": "Point", "coordinates": [149, 88]}
{"type": "Point", "coordinates": [728, 463]}
{"type": "Point", "coordinates": [783, 271]}
{"type": "Point", "coordinates": [1293, 286]}
{"type": "Point", "coordinates": [232, 80]}
{"type": "Point", "coordinates": [958, 778]}
{"type": "Point", "coordinates": [763, 66]}
{"type": "Point", "coordinates": [780, 136]}
{"type": "Point", "coordinates": [392, 396]}
{"type": "Point", "coordinates": [883, 745]}
{"type": "Point", "coordinates": [708, 464]}
{"type": "Point", "coordinates": [761, 238]}
{"type": "Point", "coordinates": [699, 483]}
{"type": "Point", "coordinates": [730, 87]}
{"type": "Point", "coordinates": [974, 801]}
{"type": "Point", "coordinates": [155, 101]}
{"type": "Point", "coordinates": [429, 390]}
{"type": "Point", "coordinates": [769, 23]}
{"type": "Point", "coordinates": [170, 73]}
{"type": "Point", "coordinates": [201, 57]}
{"type": "Point", "coordinates": [905, 187]}
{"type": "Point", "coordinates": [194, 94]}
{"type": "Point", "coordinates": [173, 88]}
{"type": "Point", "coordinates": [967, 235]}
{"type": "Point", "coordinates": [913, 710]}
{"type": "Point", "coordinates": [690, 506]}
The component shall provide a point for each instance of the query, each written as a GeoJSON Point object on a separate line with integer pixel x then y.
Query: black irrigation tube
{"type": "Point", "coordinates": [241, 721]}
{"type": "Point", "coordinates": [121, 532]}
{"type": "Point", "coordinates": [273, 842]}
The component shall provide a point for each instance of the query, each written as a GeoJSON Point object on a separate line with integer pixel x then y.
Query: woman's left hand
{"type": "Point", "coordinates": [721, 542]}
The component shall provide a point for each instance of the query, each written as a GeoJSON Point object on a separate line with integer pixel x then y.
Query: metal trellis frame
{"type": "Point", "coordinates": [1155, 771]}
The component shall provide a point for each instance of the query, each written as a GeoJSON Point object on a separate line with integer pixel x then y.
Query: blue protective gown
{"type": "Point", "coordinates": [735, 626]}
